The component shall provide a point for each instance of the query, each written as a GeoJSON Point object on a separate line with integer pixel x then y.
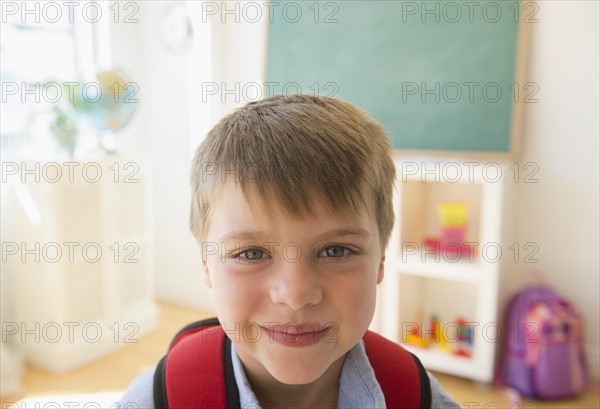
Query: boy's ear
{"type": "Point", "coordinates": [206, 275]}
{"type": "Point", "coordinates": [380, 272]}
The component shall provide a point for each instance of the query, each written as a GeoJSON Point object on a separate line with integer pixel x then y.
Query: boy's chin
{"type": "Point", "coordinates": [296, 376]}
{"type": "Point", "coordinates": [303, 371]}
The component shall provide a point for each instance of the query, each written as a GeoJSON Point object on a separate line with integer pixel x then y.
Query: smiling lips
{"type": "Point", "coordinates": [296, 335]}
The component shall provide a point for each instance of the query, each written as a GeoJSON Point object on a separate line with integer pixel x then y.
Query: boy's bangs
{"type": "Point", "coordinates": [293, 185]}
{"type": "Point", "coordinates": [294, 151]}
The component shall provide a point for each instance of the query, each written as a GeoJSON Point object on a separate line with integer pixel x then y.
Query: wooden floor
{"type": "Point", "coordinates": [115, 373]}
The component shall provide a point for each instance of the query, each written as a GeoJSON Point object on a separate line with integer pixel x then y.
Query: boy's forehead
{"type": "Point", "coordinates": [266, 206]}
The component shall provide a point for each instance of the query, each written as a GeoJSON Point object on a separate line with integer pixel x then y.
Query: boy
{"type": "Point", "coordinates": [292, 207]}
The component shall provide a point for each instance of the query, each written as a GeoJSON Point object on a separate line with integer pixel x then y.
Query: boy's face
{"type": "Point", "coordinates": [294, 295]}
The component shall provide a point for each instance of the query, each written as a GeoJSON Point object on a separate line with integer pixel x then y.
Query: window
{"type": "Point", "coordinates": [46, 47]}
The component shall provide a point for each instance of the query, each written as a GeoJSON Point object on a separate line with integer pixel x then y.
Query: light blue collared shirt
{"type": "Point", "coordinates": [358, 386]}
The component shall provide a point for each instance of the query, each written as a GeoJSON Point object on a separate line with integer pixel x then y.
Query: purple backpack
{"type": "Point", "coordinates": [543, 346]}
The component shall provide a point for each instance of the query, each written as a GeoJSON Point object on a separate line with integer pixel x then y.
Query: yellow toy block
{"type": "Point", "coordinates": [453, 214]}
{"type": "Point", "coordinates": [416, 340]}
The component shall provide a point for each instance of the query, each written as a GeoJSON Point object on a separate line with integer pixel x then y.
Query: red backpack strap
{"type": "Point", "coordinates": [400, 374]}
{"type": "Point", "coordinates": [197, 371]}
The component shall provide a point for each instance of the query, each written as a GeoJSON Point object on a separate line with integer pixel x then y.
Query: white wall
{"type": "Point", "coordinates": [561, 212]}
{"type": "Point", "coordinates": [160, 131]}
{"type": "Point", "coordinates": [164, 107]}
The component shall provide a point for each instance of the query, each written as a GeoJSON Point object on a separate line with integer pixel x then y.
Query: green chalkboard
{"type": "Point", "coordinates": [440, 75]}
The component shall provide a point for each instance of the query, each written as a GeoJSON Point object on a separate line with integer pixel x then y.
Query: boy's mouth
{"type": "Point", "coordinates": [297, 335]}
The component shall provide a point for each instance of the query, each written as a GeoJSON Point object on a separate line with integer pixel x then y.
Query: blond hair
{"type": "Point", "coordinates": [294, 146]}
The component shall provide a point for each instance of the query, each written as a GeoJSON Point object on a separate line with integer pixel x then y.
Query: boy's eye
{"type": "Point", "coordinates": [253, 254]}
{"type": "Point", "coordinates": [335, 252]}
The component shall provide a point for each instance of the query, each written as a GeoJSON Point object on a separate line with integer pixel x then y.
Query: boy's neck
{"type": "Point", "coordinates": [322, 393]}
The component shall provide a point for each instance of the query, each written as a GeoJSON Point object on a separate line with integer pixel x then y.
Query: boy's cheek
{"type": "Point", "coordinates": [233, 277]}
{"type": "Point", "coordinates": [363, 271]}
{"type": "Point", "coordinates": [216, 273]}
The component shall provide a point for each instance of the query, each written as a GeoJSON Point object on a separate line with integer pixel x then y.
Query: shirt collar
{"type": "Point", "coordinates": [358, 386]}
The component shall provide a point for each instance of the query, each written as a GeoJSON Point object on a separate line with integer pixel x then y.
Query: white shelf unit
{"type": "Point", "coordinates": [78, 309]}
{"type": "Point", "coordinates": [418, 283]}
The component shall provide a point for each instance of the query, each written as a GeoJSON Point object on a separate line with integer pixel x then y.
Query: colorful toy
{"type": "Point", "coordinates": [415, 338]}
{"type": "Point", "coordinates": [453, 222]}
{"type": "Point", "coordinates": [453, 214]}
{"type": "Point", "coordinates": [433, 335]}
{"type": "Point", "coordinates": [444, 344]}
{"type": "Point", "coordinates": [453, 227]}
{"type": "Point", "coordinates": [465, 339]}
{"type": "Point", "coordinates": [435, 329]}
{"type": "Point", "coordinates": [438, 335]}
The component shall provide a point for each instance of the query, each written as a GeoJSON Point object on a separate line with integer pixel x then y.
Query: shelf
{"type": "Point", "coordinates": [419, 217]}
{"type": "Point", "coordinates": [437, 360]}
{"type": "Point", "coordinates": [462, 270]}
{"type": "Point", "coordinates": [447, 299]}
{"type": "Point", "coordinates": [422, 284]}
{"type": "Point", "coordinates": [468, 273]}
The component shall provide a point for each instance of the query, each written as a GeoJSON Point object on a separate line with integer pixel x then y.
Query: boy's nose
{"type": "Point", "coordinates": [296, 285]}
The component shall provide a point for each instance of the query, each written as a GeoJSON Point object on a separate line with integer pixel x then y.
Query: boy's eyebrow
{"type": "Point", "coordinates": [346, 231]}
{"type": "Point", "coordinates": [257, 235]}
{"type": "Point", "coordinates": [242, 235]}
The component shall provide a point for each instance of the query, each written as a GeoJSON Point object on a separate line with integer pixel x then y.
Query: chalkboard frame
{"type": "Point", "coordinates": [515, 125]}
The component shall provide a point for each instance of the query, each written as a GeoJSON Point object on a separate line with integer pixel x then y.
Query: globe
{"type": "Point", "coordinates": [108, 103]}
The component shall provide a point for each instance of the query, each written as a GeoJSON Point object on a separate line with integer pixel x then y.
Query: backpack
{"type": "Point", "coordinates": [543, 346]}
{"type": "Point", "coordinates": [197, 372]}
